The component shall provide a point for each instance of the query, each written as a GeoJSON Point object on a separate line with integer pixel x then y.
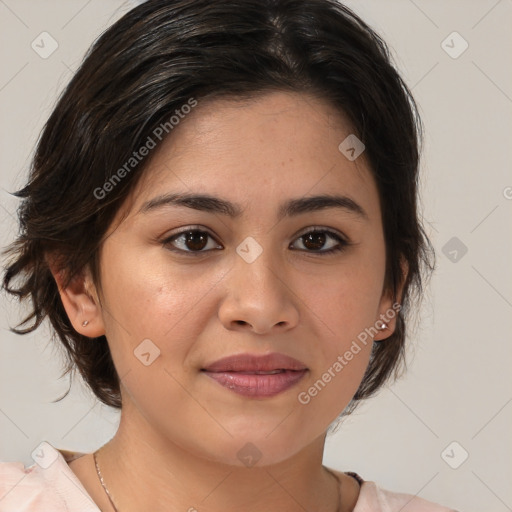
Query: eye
{"type": "Point", "coordinates": [195, 241]}
{"type": "Point", "coordinates": [315, 239]}
{"type": "Point", "coordinates": [189, 241]}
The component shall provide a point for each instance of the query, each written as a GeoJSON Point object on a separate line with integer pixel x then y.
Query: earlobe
{"type": "Point", "coordinates": [390, 309]}
{"type": "Point", "coordinates": [386, 324]}
{"type": "Point", "coordinates": [81, 302]}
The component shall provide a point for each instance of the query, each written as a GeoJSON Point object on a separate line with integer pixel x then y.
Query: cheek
{"type": "Point", "coordinates": [346, 299]}
{"type": "Point", "coordinates": [153, 315]}
{"type": "Point", "coordinates": [147, 297]}
{"type": "Point", "coordinates": [345, 306]}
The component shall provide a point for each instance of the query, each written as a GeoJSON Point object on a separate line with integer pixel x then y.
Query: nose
{"type": "Point", "coordinates": [259, 296]}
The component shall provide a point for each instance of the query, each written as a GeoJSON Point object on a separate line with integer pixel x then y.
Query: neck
{"type": "Point", "coordinates": [143, 470]}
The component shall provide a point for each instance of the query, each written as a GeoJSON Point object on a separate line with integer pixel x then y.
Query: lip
{"type": "Point", "coordinates": [241, 374]}
{"type": "Point", "coordinates": [255, 363]}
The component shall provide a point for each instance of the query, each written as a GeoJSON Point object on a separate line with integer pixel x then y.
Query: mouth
{"type": "Point", "coordinates": [255, 363]}
{"type": "Point", "coordinates": [256, 376]}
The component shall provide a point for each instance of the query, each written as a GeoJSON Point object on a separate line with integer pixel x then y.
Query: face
{"type": "Point", "coordinates": [252, 283]}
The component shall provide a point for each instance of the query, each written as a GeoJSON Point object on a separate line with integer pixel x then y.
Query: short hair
{"type": "Point", "coordinates": [145, 67]}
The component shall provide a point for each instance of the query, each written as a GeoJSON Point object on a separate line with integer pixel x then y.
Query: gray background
{"type": "Point", "coordinates": [458, 385]}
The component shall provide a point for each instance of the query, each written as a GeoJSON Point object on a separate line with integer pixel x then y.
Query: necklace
{"type": "Point", "coordinates": [338, 484]}
{"type": "Point", "coordinates": [102, 482]}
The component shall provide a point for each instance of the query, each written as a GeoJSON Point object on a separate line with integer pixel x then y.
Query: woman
{"type": "Point", "coordinates": [221, 226]}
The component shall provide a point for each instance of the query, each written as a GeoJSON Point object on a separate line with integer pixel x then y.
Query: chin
{"type": "Point", "coordinates": [255, 450]}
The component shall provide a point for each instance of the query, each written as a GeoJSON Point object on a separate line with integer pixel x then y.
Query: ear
{"type": "Point", "coordinates": [81, 302]}
{"type": "Point", "coordinates": [389, 307]}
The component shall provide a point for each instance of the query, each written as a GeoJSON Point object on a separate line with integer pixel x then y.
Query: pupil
{"type": "Point", "coordinates": [196, 240]}
{"type": "Point", "coordinates": [320, 237]}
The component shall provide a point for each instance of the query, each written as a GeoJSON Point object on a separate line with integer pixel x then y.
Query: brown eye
{"type": "Point", "coordinates": [195, 241]}
{"type": "Point", "coordinates": [191, 241]}
{"type": "Point", "coordinates": [315, 240]}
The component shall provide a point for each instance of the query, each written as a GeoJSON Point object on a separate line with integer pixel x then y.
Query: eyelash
{"type": "Point", "coordinates": [342, 243]}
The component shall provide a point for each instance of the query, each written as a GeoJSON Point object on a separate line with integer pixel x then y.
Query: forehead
{"type": "Point", "coordinates": [256, 150]}
{"type": "Point", "coordinates": [253, 125]}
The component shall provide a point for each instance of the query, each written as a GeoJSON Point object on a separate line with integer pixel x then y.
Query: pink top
{"type": "Point", "coordinates": [51, 486]}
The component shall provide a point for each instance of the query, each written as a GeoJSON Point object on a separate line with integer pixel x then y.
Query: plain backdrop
{"type": "Point", "coordinates": [443, 430]}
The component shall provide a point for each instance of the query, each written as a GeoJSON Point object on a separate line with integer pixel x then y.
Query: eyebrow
{"type": "Point", "coordinates": [290, 208]}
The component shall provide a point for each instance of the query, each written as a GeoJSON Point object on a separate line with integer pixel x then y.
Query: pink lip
{"type": "Point", "coordinates": [241, 373]}
{"type": "Point", "coordinates": [254, 363]}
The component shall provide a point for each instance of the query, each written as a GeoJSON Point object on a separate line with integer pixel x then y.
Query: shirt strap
{"type": "Point", "coordinates": [356, 476]}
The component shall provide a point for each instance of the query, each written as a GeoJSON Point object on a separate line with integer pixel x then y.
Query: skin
{"type": "Point", "coordinates": [180, 431]}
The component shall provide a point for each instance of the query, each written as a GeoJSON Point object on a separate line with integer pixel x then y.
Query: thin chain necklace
{"type": "Point", "coordinates": [338, 482]}
{"type": "Point", "coordinates": [102, 482]}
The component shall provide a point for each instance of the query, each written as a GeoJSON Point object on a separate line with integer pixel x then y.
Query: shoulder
{"type": "Point", "coordinates": [23, 490]}
{"type": "Point", "coordinates": [373, 498]}
{"type": "Point", "coordinates": [48, 484]}
{"type": "Point", "coordinates": [396, 501]}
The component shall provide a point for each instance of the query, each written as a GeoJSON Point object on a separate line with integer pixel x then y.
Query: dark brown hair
{"type": "Point", "coordinates": [137, 75]}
